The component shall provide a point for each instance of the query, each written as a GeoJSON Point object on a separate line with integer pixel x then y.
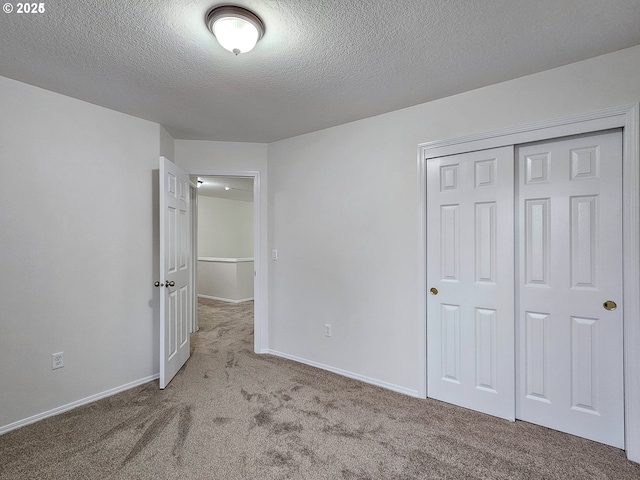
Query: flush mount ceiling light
{"type": "Point", "coordinates": [236, 28]}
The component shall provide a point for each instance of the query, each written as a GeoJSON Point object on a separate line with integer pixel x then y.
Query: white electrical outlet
{"type": "Point", "coordinates": [327, 330]}
{"type": "Point", "coordinates": [274, 254]}
{"type": "Point", "coordinates": [57, 360]}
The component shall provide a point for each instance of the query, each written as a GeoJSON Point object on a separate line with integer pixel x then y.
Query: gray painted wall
{"type": "Point", "coordinates": [344, 206]}
{"type": "Point", "coordinates": [77, 250]}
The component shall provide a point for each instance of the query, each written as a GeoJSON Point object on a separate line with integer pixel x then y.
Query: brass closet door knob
{"type": "Point", "coordinates": [433, 291]}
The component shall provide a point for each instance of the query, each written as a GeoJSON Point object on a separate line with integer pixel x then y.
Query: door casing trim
{"type": "Point", "coordinates": [625, 117]}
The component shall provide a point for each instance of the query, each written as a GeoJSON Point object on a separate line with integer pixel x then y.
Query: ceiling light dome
{"type": "Point", "coordinates": [236, 28]}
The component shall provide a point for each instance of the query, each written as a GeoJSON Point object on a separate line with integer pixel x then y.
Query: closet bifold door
{"type": "Point", "coordinates": [470, 280]}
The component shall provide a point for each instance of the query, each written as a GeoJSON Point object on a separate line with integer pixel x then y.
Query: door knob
{"type": "Point", "coordinates": [158, 284]}
{"type": "Point", "coordinates": [171, 284]}
{"type": "Point", "coordinates": [433, 291]}
{"type": "Point", "coordinates": [610, 305]}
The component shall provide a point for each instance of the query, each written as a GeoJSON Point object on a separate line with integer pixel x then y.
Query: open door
{"type": "Point", "coordinates": [175, 270]}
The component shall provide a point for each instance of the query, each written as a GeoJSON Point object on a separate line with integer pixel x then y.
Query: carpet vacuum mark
{"type": "Point", "coordinates": [231, 414]}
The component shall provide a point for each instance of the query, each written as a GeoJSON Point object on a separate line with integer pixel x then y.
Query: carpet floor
{"type": "Point", "coordinates": [231, 414]}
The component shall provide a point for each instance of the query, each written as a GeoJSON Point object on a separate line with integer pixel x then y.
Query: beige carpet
{"type": "Point", "coordinates": [231, 414]}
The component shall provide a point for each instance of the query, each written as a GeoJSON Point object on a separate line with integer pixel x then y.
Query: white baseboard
{"type": "Point", "coordinates": [77, 403]}
{"type": "Point", "coordinates": [228, 300]}
{"type": "Point", "coordinates": [346, 373]}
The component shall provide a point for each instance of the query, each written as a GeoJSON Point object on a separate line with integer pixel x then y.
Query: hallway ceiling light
{"type": "Point", "coordinates": [236, 28]}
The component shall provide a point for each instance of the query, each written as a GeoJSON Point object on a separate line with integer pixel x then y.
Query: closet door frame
{"type": "Point", "coordinates": [625, 117]}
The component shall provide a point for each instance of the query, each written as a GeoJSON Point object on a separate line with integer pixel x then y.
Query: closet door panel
{"type": "Point", "coordinates": [570, 374]}
{"type": "Point", "coordinates": [470, 306]}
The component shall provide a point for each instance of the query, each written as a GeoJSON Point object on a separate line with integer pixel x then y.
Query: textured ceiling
{"type": "Point", "coordinates": [321, 62]}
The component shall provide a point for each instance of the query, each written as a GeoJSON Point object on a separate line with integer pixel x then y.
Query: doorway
{"type": "Point", "coordinates": [224, 248]}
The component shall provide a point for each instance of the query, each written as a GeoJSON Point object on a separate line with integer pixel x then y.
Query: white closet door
{"type": "Point", "coordinates": [470, 251]}
{"type": "Point", "coordinates": [570, 263]}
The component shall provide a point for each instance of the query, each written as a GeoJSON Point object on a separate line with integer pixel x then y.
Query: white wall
{"type": "Point", "coordinates": [166, 144]}
{"type": "Point", "coordinates": [225, 228]}
{"type": "Point", "coordinates": [343, 214]}
{"type": "Point", "coordinates": [76, 235]}
{"type": "Point", "coordinates": [217, 158]}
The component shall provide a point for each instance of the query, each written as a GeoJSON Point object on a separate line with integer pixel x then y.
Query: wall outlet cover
{"type": "Point", "coordinates": [57, 360]}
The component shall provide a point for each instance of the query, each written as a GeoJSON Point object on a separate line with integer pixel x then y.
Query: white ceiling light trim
{"type": "Point", "coordinates": [236, 29]}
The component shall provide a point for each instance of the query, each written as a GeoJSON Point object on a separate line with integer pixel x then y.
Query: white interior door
{"type": "Point", "coordinates": [470, 307]}
{"type": "Point", "coordinates": [175, 269]}
{"type": "Point", "coordinates": [570, 229]}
